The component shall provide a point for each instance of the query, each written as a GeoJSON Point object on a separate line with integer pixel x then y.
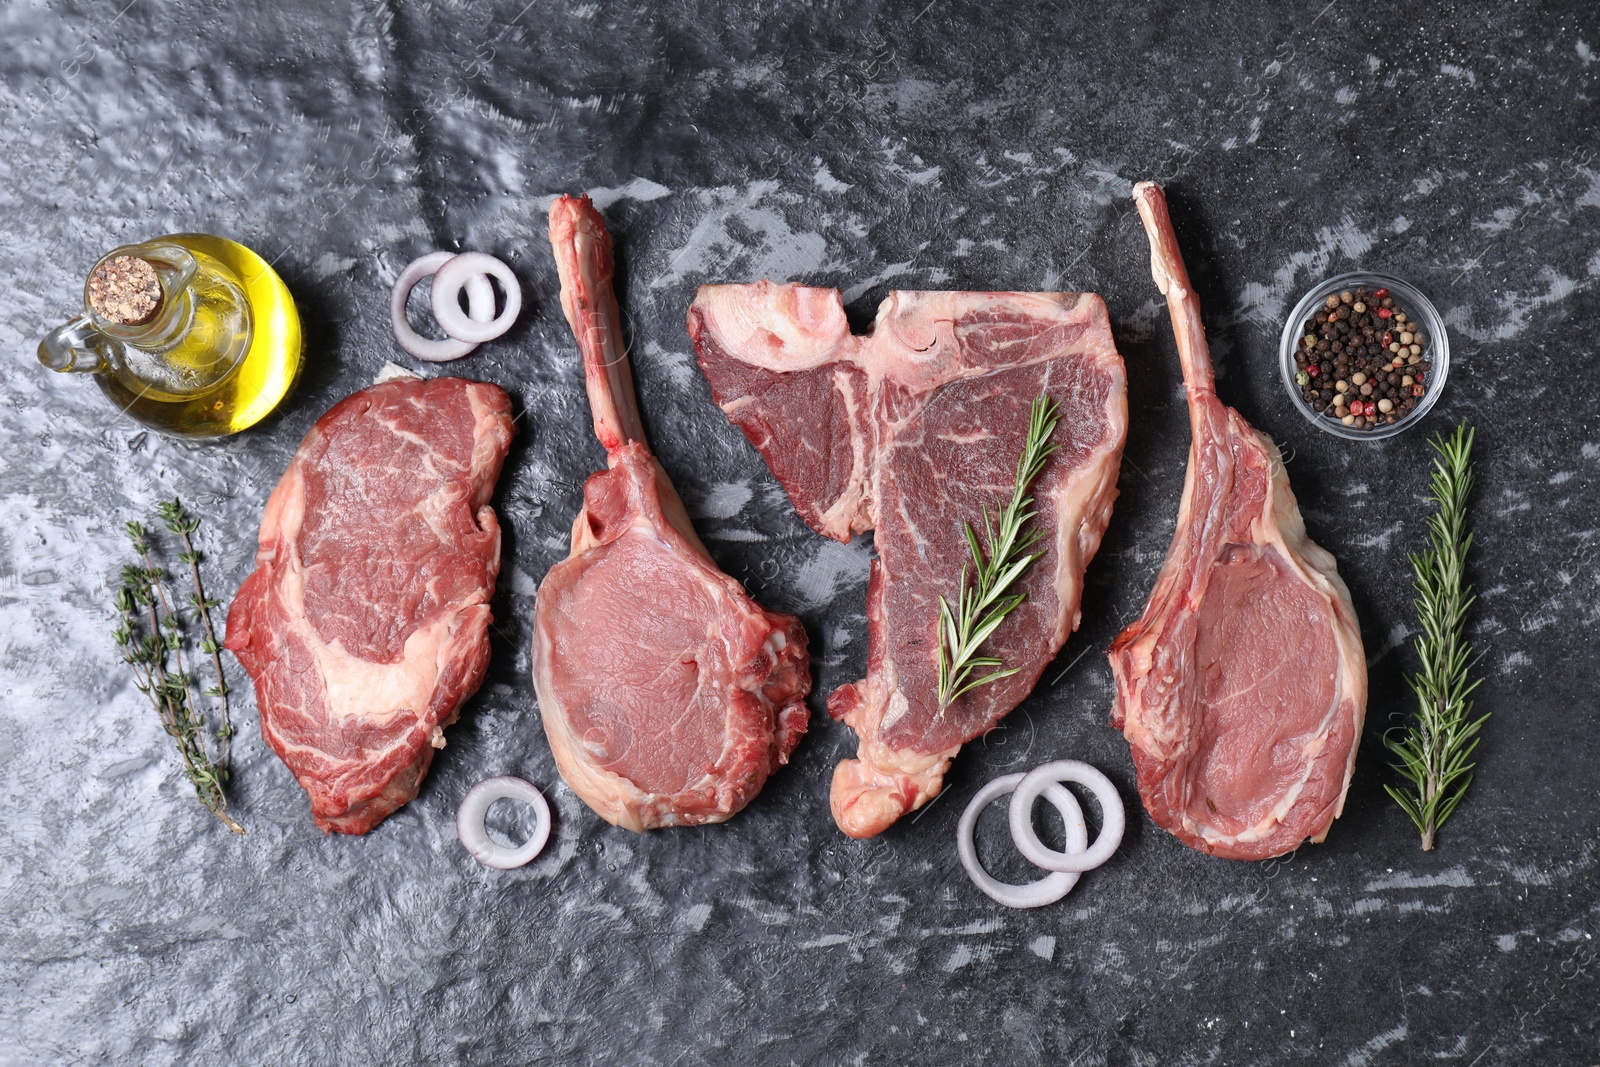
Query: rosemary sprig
{"type": "Point", "coordinates": [152, 638]}
{"type": "Point", "coordinates": [1434, 749]}
{"type": "Point", "coordinates": [984, 604]}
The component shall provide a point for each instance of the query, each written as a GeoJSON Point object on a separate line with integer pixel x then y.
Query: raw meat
{"type": "Point", "coordinates": [669, 696]}
{"type": "Point", "coordinates": [911, 431]}
{"type": "Point", "coordinates": [1243, 686]}
{"type": "Point", "coordinates": [365, 624]}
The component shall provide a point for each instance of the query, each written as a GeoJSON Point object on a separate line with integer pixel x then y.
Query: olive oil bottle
{"type": "Point", "coordinates": [191, 335]}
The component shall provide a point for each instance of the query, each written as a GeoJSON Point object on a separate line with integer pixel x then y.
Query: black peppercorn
{"type": "Point", "coordinates": [1362, 339]}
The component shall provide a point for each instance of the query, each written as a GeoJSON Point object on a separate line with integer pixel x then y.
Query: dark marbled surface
{"type": "Point", "coordinates": [923, 145]}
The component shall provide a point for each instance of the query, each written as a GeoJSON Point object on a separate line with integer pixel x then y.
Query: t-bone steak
{"type": "Point", "coordinates": [667, 693]}
{"type": "Point", "coordinates": [1243, 686]}
{"type": "Point", "coordinates": [911, 431]}
{"type": "Point", "coordinates": [365, 624]}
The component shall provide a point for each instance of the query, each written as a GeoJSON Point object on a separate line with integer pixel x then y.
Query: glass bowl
{"type": "Point", "coordinates": [1408, 299]}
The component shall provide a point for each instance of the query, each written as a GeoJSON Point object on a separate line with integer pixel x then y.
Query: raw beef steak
{"type": "Point", "coordinates": [1243, 686]}
{"type": "Point", "coordinates": [911, 431]}
{"type": "Point", "coordinates": [668, 695]}
{"type": "Point", "coordinates": [365, 624]}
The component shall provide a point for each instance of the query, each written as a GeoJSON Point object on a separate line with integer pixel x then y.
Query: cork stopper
{"type": "Point", "coordinates": [125, 290]}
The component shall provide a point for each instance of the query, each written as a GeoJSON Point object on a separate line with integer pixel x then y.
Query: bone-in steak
{"type": "Point", "coordinates": [365, 624]}
{"type": "Point", "coordinates": [1243, 686]}
{"type": "Point", "coordinates": [911, 431]}
{"type": "Point", "coordinates": [667, 693]}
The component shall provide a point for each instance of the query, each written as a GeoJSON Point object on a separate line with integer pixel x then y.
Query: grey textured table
{"type": "Point", "coordinates": [929, 145]}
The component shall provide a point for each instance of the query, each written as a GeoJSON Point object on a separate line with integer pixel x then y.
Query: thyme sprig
{"type": "Point", "coordinates": [1002, 558]}
{"type": "Point", "coordinates": [153, 639]}
{"type": "Point", "coordinates": [1433, 751]}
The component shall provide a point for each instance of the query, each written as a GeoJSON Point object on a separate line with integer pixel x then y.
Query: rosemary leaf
{"type": "Point", "coordinates": [985, 604]}
{"type": "Point", "coordinates": [1433, 752]}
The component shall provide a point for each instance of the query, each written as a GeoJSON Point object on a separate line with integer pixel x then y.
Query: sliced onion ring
{"type": "Point", "coordinates": [480, 307]}
{"type": "Point", "coordinates": [447, 302]}
{"type": "Point", "coordinates": [1046, 890]}
{"type": "Point", "coordinates": [475, 835]}
{"type": "Point", "coordinates": [1076, 858]}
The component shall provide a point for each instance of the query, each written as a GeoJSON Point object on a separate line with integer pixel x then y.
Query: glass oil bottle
{"type": "Point", "coordinates": [190, 334]}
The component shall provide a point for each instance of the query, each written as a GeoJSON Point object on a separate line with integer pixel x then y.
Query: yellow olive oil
{"type": "Point", "coordinates": [225, 372]}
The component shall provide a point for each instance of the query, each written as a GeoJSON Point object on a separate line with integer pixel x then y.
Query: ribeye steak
{"type": "Point", "coordinates": [911, 431]}
{"type": "Point", "coordinates": [668, 694]}
{"type": "Point", "coordinates": [1243, 686]}
{"type": "Point", "coordinates": [365, 624]}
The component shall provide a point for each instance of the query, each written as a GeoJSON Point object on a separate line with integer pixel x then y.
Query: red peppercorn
{"type": "Point", "coordinates": [1420, 378]}
{"type": "Point", "coordinates": [1417, 390]}
{"type": "Point", "coordinates": [1380, 293]}
{"type": "Point", "coordinates": [1388, 339]}
{"type": "Point", "coordinates": [1313, 370]}
{"type": "Point", "coordinates": [1385, 313]}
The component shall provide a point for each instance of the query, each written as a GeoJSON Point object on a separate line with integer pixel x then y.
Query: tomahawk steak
{"type": "Point", "coordinates": [668, 695]}
{"type": "Point", "coordinates": [1243, 686]}
{"type": "Point", "coordinates": [911, 431]}
{"type": "Point", "coordinates": [365, 624]}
